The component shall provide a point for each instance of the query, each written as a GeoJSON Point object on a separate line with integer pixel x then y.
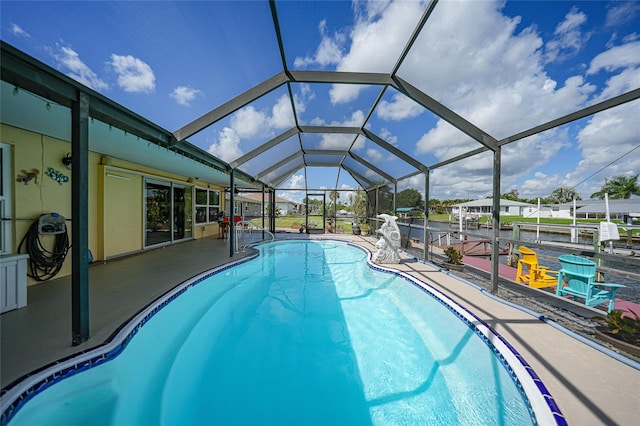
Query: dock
{"type": "Point", "coordinates": [479, 248]}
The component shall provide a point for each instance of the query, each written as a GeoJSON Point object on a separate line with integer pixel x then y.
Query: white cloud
{"type": "Point", "coordinates": [605, 140]}
{"type": "Point", "coordinates": [227, 147]}
{"type": "Point", "coordinates": [377, 38]}
{"type": "Point", "coordinates": [281, 113]}
{"type": "Point", "coordinates": [568, 37]}
{"type": "Point", "coordinates": [400, 108]}
{"type": "Point", "coordinates": [622, 12]}
{"type": "Point", "coordinates": [248, 121]}
{"type": "Point", "coordinates": [134, 75]}
{"type": "Point", "coordinates": [343, 141]}
{"type": "Point", "coordinates": [374, 155]}
{"type": "Point", "coordinates": [329, 51]}
{"type": "Point", "coordinates": [184, 95]}
{"type": "Point", "coordinates": [17, 30]}
{"type": "Point", "coordinates": [388, 136]}
{"type": "Point", "coordinates": [624, 56]}
{"type": "Point", "coordinates": [69, 60]}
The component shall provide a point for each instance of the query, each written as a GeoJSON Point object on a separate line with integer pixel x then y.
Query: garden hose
{"type": "Point", "coordinates": [44, 264]}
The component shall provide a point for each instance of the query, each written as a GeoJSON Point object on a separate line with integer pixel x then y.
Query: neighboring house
{"type": "Point", "coordinates": [406, 212]}
{"type": "Point", "coordinates": [484, 206]}
{"type": "Point", "coordinates": [285, 206]}
{"type": "Point", "coordinates": [245, 206]}
{"type": "Point", "coordinates": [585, 209]}
{"type": "Point", "coordinates": [618, 209]}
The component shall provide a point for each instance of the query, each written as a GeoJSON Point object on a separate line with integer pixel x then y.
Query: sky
{"type": "Point", "coordinates": [505, 66]}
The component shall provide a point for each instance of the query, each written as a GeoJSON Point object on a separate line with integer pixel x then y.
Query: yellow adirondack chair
{"type": "Point", "coordinates": [530, 272]}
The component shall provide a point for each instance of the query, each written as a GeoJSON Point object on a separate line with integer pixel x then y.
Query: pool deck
{"type": "Point", "coordinates": [591, 388]}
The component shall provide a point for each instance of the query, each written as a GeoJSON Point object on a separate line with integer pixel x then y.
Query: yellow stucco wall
{"type": "Point", "coordinates": [116, 206]}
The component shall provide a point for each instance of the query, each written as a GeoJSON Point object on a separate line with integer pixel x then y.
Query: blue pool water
{"type": "Point", "coordinates": [306, 333]}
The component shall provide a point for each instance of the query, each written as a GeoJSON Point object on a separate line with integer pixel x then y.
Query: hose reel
{"type": "Point", "coordinates": [45, 264]}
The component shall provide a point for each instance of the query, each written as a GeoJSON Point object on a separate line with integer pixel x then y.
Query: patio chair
{"type": "Point", "coordinates": [530, 272]}
{"type": "Point", "coordinates": [577, 278]}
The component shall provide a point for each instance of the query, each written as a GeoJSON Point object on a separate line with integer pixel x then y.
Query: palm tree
{"type": "Point", "coordinates": [564, 194]}
{"type": "Point", "coordinates": [619, 187]}
{"type": "Point", "coordinates": [333, 196]}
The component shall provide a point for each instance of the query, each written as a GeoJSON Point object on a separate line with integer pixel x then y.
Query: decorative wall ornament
{"type": "Point", "coordinates": [26, 177]}
{"type": "Point", "coordinates": [388, 244]}
{"type": "Point", "coordinates": [57, 176]}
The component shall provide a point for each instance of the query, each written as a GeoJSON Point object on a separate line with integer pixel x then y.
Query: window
{"type": "Point", "coordinates": [207, 205]}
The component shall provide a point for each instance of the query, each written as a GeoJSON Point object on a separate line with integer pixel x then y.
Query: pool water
{"type": "Point", "coordinates": [306, 333]}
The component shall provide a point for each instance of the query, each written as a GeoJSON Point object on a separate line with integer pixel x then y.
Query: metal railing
{"type": "Point", "coordinates": [249, 233]}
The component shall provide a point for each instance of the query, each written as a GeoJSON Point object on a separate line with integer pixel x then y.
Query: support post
{"type": "Point", "coordinates": [395, 197]}
{"type": "Point", "coordinates": [262, 210]}
{"type": "Point", "coordinates": [232, 222]}
{"type": "Point", "coordinates": [425, 235]}
{"type": "Point", "coordinates": [272, 211]}
{"type": "Point", "coordinates": [495, 214]}
{"type": "Point", "coordinates": [80, 219]}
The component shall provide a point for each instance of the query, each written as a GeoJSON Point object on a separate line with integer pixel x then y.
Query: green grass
{"type": "Point", "coordinates": [294, 222]}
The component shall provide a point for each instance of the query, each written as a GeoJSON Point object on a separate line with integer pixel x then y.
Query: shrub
{"type": "Point", "coordinates": [453, 255]}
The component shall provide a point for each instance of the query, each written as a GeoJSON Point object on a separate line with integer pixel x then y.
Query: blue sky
{"type": "Point", "coordinates": [505, 66]}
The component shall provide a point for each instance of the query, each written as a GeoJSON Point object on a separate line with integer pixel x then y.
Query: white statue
{"type": "Point", "coordinates": [389, 242]}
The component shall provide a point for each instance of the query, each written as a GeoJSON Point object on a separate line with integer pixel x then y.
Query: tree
{"type": "Point", "coordinates": [277, 212]}
{"type": "Point", "coordinates": [333, 196]}
{"type": "Point", "coordinates": [409, 198]}
{"type": "Point", "coordinates": [563, 194]}
{"type": "Point", "coordinates": [511, 195]}
{"type": "Point", "coordinates": [619, 187]}
{"type": "Point", "coordinates": [359, 205]}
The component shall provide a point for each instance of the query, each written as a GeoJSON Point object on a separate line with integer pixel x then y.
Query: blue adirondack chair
{"type": "Point", "coordinates": [577, 278]}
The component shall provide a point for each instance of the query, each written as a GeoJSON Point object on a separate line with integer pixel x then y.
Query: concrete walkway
{"type": "Point", "coordinates": [590, 387]}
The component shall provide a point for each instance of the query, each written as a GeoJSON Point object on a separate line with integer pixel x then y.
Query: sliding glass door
{"type": "Point", "coordinates": [182, 213]}
{"type": "Point", "coordinates": [168, 212]}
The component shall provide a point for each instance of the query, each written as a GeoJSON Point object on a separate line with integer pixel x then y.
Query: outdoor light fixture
{"type": "Point", "coordinates": [66, 160]}
{"type": "Point", "coordinates": [15, 91]}
{"type": "Point", "coordinates": [48, 106]}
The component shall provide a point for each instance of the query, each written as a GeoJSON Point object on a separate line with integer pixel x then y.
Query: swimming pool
{"type": "Point", "coordinates": [305, 333]}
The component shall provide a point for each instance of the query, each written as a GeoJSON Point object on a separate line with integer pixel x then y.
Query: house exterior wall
{"type": "Point", "coordinates": [116, 206]}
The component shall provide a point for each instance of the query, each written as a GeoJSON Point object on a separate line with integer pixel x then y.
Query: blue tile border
{"type": "Point", "coordinates": [16, 395]}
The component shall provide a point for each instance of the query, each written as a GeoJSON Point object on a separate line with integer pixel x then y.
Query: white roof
{"type": "Point", "coordinates": [488, 202]}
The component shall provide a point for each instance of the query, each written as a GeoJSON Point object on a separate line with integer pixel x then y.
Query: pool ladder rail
{"type": "Point", "coordinates": [249, 233]}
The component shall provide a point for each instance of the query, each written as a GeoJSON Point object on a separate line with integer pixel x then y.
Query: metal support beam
{"type": "Point", "coordinates": [264, 147]}
{"type": "Point", "coordinates": [377, 210]}
{"type": "Point", "coordinates": [372, 167]}
{"type": "Point", "coordinates": [426, 216]}
{"type": "Point", "coordinates": [445, 113]}
{"type": "Point", "coordinates": [585, 112]}
{"type": "Point", "coordinates": [358, 177]}
{"type": "Point", "coordinates": [495, 215]}
{"type": "Point", "coordinates": [395, 198]}
{"type": "Point", "coordinates": [80, 220]}
{"type": "Point", "coordinates": [272, 211]}
{"type": "Point", "coordinates": [231, 106]}
{"type": "Point", "coordinates": [342, 77]}
{"type": "Point", "coordinates": [232, 223]}
{"type": "Point", "coordinates": [395, 151]}
{"type": "Point", "coordinates": [279, 164]}
{"type": "Point", "coordinates": [262, 208]}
